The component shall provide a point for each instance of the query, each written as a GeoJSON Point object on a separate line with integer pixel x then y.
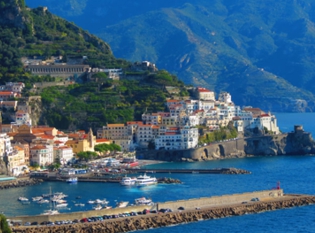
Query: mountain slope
{"type": "Point", "coordinates": [261, 52]}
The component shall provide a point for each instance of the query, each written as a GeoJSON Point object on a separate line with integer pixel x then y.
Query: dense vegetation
{"type": "Point", "coordinates": [37, 32]}
{"type": "Point", "coordinates": [223, 133]}
{"type": "Point", "coordinates": [262, 52]}
{"type": "Point", "coordinates": [96, 104]}
{"type": "Point", "coordinates": [4, 227]}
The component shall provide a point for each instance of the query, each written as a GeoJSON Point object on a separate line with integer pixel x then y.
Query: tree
{"type": "Point", "coordinates": [87, 155]}
{"type": "Point", "coordinates": [4, 226]}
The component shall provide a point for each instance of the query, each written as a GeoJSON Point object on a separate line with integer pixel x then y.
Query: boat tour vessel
{"type": "Point", "coordinates": [128, 181]}
{"type": "Point", "coordinates": [144, 180]}
{"type": "Point", "coordinates": [72, 180]}
{"type": "Point", "coordinates": [143, 201]}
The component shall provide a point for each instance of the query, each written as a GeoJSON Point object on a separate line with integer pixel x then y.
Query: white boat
{"type": "Point", "coordinates": [38, 198]}
{"type": "Point", "coordinates": [79, 204]}
{"type": "Point", "coordinates": [128, 181]}
{"type": "Point", "coordinates": [61, 201]}
{"type": "Point", "coordinates": [61, 205]}
{"type": "Point", "coordinates": [97, 207]}
{"type": "Point", "coordinates": [50, 212]}
{"type": "Point", "coordinates": [122, 204]}
{"type": "Point", "coordinates": [43, 201]}
{"type": "Point", "coordinates": [72, 180]}
{"type": "Point", "coordinates": [144, 180]}
{"type": "Point", "coordinates": [143, 201]}
{"type": "Point", "coordinates": [91, 202]}
{"type": "Point", "coordinates": [98, 201]}
{"type": "Point", "coordinates": [23, 199]}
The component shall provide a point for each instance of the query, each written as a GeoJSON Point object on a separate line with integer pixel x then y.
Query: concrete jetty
{"type": "Point", "coordinates": [195, 210]}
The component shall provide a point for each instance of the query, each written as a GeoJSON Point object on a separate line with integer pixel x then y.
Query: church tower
{"type": "Point", "coordinates": [91, 139]}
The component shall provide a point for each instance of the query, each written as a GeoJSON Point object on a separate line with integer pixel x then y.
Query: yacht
{"type": "Point", "coordinates": [127, 181]}
{"type": "Point", "coordinates": [144, 180]}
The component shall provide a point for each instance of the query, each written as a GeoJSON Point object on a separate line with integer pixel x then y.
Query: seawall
{"type": "Point", "coordinates": [144, 222]}
{"type": "Point", "coordinates": [21, 182]}
{"type": "Point", "coordinates": [297, 142]}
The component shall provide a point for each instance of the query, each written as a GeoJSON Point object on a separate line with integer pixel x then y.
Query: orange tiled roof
{"type": "Point", "coordinates": [102, 140]}
{"type": "Point", "coordinates": [38, 147]}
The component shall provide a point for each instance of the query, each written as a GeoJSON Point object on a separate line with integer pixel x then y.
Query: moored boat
{"type": "Point", "coordinates": [128, 181]}
{"type": "Point", "coordinates": [144, 180]}
{"type": "Point", "coordinates": [143, 201]}
{"type": "Point", "coordinates": [97, 207]}
{"type": "Point", "coordinates": [122, 204]}
{"type": "Point", "coordinates": [23, 199]}
{"type": "Point", "coordinates": [72, 180]}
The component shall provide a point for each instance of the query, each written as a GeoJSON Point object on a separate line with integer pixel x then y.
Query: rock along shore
{"type": "Point", "coordinates": [19, 183]}
{"type": "Point", "coordinates": [162, 220]}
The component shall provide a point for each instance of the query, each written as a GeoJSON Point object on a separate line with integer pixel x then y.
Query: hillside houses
{"type": "Point", "coordinates": [176, 128]}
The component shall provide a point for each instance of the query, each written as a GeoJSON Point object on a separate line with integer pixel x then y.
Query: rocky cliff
{"type": "Point", "coordinates": [297, 142]}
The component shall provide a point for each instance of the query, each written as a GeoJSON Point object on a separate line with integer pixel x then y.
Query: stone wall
{"type": "Point", "coordinates": [220, 150]}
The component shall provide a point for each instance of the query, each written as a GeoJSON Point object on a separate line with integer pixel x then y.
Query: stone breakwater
{"type": "Point", "coordinates": [162, 220]}
{"type": "Point", "coordinates": [19, 183]}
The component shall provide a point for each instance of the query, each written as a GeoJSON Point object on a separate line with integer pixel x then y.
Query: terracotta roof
{"type": "Point", "coordinates": [17, 147]}
{"type": "Point", "coordinates": [47, 137]}
{"type": "Point", "coordinates": [38, 147]}
{"type": "Point", "coordinates": [155, 127]}
{"type": "Point", "coordinates": [172, 101]}
{"type": "Point", "coordinates": [58, 142]}
{"type": "Point", "coordinates": [102, 140]}
{"type": "Point", "coordinates": [6, 93]}
{"type": "Point", "coordinates": [202, 89]}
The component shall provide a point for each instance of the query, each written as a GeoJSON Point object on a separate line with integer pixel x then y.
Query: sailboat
{"type": "Point", "coordinates": [51, 211]}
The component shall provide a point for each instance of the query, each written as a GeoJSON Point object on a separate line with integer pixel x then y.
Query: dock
{"type": "Point", "coordinates": [192, 171]}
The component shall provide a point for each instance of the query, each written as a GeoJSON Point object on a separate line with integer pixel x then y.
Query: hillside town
{"type": "Point", "coordinates": [23, 144]}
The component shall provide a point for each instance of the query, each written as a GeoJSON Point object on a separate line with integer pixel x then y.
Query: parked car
{"type": "Point", "coordinates": [181, 208]}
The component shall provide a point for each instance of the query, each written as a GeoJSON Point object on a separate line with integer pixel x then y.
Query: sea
{"type": "Point", "coordinates": [294, 173]}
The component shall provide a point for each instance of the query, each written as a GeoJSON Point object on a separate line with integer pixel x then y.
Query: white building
{"type": "Point", "coordinates": [177, 139]}
{"type": "Point", "coordinates": [43, 155]}
{"type": "Point", "coordinates": [63, 153]}
{"type": "Point", "coordinates": [225, 97]}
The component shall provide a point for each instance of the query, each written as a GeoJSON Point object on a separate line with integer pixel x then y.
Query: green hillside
{"type": "Point", "coordinates": [37, 32]}
{"type": "Point", "coordinates": [262, 52]}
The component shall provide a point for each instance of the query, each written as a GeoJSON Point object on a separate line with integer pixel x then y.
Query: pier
{"type": "Point", "coordinates": [191, 210]}
{"type": "Point", "coordinates": [192, 171]}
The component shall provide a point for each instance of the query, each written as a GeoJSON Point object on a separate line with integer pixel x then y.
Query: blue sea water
{"type": "Point", "coordinates": [295, 173]}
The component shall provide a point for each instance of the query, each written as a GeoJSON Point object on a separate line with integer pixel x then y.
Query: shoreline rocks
{"type": "Point", "coordinates": [19, 183]}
